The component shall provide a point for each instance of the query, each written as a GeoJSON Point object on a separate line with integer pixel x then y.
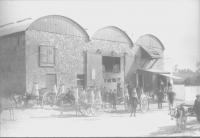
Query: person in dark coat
{"type": "Point", "coordinates": [129, 89]}
{"type": "Point", "coordinates": [133, 102]}
{"type": "Point", "coordinates": [160, 96]}
{"type": "Point", "coordinates": [171, 97]}
{"type": "Point", "coordinates": [197, 107]}
{"type": "Point", "coordinates": [114, 99]}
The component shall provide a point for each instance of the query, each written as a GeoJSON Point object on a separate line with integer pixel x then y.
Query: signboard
{"type": "Point", "coordinates": [93, 74]}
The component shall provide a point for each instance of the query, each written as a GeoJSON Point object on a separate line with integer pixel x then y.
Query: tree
{"type": "Point", "coordinates": [176, 68]}
{"type": "Point", "coordinates": [198, 67]}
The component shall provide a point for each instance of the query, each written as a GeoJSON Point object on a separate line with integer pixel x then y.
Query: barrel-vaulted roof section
{"type": "Point", "coordinates": [113, 34]}
{"type": "Point", "coordinates": [151, 44]}
{"type": "Point", "coordinates": [51, 23]}
{"type": "Point", "coordinates": [149, 39]}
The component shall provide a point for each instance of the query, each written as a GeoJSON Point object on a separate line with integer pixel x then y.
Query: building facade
{"type": "Point", "coordinates": [55, 50]}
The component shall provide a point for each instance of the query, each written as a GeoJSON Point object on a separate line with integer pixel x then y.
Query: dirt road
{"type": "Point", "coordinates": [48, 122]}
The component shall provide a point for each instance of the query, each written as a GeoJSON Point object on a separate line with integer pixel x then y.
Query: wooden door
{"type": "Point", "coordinates": [51, 80]}
{"type": "Point", "coordinates": [94, 69]}
{"type": "Point", "coordinates": [130, 67]}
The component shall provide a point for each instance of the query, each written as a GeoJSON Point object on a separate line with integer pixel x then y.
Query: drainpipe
{"type": "Point", "coordinates": [124, 73]}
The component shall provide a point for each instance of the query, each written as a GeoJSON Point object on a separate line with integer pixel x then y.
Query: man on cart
{"type": "Point", "coordinates": [197, 107]}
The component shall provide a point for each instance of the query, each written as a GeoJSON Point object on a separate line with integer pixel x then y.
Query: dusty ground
{"type": "Point", "coordinates": [48, 122]}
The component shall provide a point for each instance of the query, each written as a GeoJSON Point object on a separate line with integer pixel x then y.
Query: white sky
{"type": "Point", "coordinates": [175, 22]}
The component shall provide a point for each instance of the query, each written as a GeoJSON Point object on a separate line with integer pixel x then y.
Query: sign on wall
{"type": "Point", "coordinates": [93, 74]}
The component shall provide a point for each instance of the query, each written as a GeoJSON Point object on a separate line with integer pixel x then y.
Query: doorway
{"type": "Point", "coordinates": [51, 80]}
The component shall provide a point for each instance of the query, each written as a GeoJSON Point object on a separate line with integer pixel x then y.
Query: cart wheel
{"type": "Point", "coordinates": [49, 99]}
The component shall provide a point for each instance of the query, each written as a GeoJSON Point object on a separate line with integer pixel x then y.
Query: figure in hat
{"type": "Point", "coordinates": [197, 107]}
{"type": "Point", "coordinates": [171, 96]}
{"type": "Point", "coordinates": [133, 102]}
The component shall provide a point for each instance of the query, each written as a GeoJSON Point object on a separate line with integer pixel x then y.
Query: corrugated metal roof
{"type": "Point", "coordinates": [18, 26]}
{"type": "Point", "coordinates": [162, 73]}
{"type": "Point", "coordinates": [113, 34]}
{"type": "Point", "coordinates": [51, 26]}
{"type": "Point", "coordinates": [152, 53]}
{"type": "Point", "coordinates": [171, 76]}
{"type": "Point", "coordinates": [151, 44]}
{"type": "Point", "coordinates": [155, 71]}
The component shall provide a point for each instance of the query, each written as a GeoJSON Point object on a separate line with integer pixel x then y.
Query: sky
{"type": "Point", "coordinates": [175, 22]}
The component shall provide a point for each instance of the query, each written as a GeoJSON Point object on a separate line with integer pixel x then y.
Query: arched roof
{"type": "Point", "coordinates": [151, 45]}
{"type": "Point", "coordinates": [50, 23]}
{"type": "Point", "coordinates": [148, 39]}
{"type": "Point", "coordinates": [112, 33]}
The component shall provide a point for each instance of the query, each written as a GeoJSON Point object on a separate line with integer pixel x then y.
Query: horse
{"type": "Point", "coordinates": [133, 101]}
{"type": "Point", "coordinates": [180, 114]}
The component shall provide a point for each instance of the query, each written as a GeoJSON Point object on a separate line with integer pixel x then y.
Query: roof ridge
{"type": "Point", "coordinates": [25, 19]}
{"type": "Point", "coordinates": [7, 24]}
{"type": "Point", "coordinates": [15, 22]}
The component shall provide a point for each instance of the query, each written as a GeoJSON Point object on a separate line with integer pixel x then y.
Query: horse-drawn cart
{"type": "Point", "coordinates": [187, 109]}
{"type": "Point", "coordinates": [181, 112]}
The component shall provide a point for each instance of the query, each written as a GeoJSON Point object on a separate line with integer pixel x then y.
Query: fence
{"type": "Point", "coordinates": [180, 92]}
{"type": "Point", "coordinates": [191, 92]}
{"type": "Point", "coordinates": [186, 93]}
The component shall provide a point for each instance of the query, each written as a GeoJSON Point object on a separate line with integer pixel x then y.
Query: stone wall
{"type": "Point", "coordinates": [129, 61]}
{"type": "Point", "coordinates": [69, 58]}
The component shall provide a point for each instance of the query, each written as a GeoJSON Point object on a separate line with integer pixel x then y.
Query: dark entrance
{"type": "Point", "coordinates": [111, 64]}
{"type": "Point", "coordinates": [51, 80]}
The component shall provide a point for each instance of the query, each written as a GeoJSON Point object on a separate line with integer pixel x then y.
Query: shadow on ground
{"type": "Point", "coordinates": [192, 127]}
{"type": "Point", "coordinates": [68, 115]}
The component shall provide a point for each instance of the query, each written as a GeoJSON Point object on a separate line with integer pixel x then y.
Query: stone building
{"type": "Point", "coordinates": [46, 51]}
{"type": "Point", "coordinates": [108, 53]}
{"type": "Point", "coordinates": [55, 50]}
{"type": "Point", "coordinates": [151, 70]}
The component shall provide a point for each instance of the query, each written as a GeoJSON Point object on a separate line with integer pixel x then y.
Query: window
{"type": "Point", "coordinates": [47, 56]}
{"type": "Point", "coordinates": [113, 80]}
{"type": "Point", "coordinates": [109, 80]}
{"type": "Point", "coordinates": [80, 80]}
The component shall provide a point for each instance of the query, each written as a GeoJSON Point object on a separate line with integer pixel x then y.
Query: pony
{"type": "Point", "coordinates": [180, 114]}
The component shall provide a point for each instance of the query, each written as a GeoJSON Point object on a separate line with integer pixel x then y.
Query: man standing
{"type": "Point", "coordinates": [160, 97]}
{"type": "Point", "coordinates": [126, 97]}
{"type": "Point", "coordinates": [114, 95]}
{"type": "Point", "coordinates": [35, 92]}
{"type": "Point", "coordinates": [133, 102]}
{"type": "Point", "coordinates": [76, 97]}
{"type": "Point", "coordinates": [171, 97]}
{"type": "Point", "coordinates": [91, 98]}
{"type": "Point", "coordinates": [197, 107]}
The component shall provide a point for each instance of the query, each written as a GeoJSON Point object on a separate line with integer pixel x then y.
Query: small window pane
{"type": "Point", "coordinates": [47, 56]}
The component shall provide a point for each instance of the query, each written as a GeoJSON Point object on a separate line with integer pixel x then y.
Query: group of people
{"type": "Point", "coordinates": [109, 97]}
{"type": "Point", "coordinates": [105, 97]}
{"type": "Point", "coordinates": [169, 93]}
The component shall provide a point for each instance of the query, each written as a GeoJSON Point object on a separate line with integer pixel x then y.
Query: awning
{"type": "Point", "coordinates": [171, 76]}
{"type": "Point", "coordinates": [152, 52]}
{"type": "Point", "coordinates": [162, 73]}
{"type": "Point", "coordinates": [155, 71]}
